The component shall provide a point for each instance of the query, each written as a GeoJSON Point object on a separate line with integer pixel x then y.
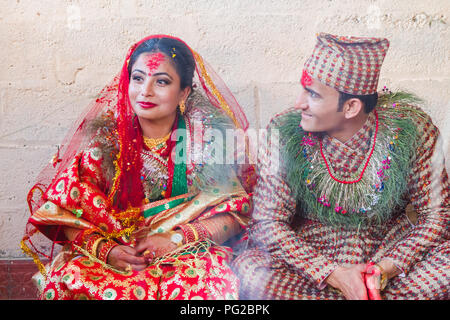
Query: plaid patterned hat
{"type": "Point", "coordinates": [348, 64]}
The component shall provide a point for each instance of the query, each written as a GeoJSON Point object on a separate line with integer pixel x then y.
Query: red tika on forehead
{"type": "Point", "coordinates": [154, 61]}
{"type": "Point", "coordinates": [306, 79]}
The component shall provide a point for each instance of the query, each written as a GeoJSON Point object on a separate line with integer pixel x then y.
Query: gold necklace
{"type": "Point", "coordinates": [152, 143]}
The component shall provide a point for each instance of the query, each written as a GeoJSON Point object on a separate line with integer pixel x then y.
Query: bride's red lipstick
{"type": "Point", "coordinates": [146, 105]}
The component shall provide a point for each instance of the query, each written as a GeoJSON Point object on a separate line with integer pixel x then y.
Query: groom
{"type": "Point", "coordinates": [333, 224]}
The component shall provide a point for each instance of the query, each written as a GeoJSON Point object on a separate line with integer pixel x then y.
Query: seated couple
{"type": "Point", "coordinates": [142, 211]}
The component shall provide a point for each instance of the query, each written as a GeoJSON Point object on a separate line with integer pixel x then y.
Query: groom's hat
{"type": "Point", "coordinates": [348, 64]}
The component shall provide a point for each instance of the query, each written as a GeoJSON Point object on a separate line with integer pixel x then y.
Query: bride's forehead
{"type": "Point", "coordinates": [153, 60]}
{"type": "Point", "coordinates": [150, 59]}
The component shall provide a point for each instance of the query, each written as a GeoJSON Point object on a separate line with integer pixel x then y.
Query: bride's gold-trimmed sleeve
{"type": "Point", "coordinates": [76, 199]}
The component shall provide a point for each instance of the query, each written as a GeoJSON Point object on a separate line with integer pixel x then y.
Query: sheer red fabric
{"type": "Point", "coordinates": [125, 190]}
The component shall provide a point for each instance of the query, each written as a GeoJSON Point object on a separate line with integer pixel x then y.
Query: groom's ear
{"type": "Point", "coordinates": [352, 107]}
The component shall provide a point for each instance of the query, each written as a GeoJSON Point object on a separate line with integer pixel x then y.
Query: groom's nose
{"type": "Point", "coordinates": [301, 101]}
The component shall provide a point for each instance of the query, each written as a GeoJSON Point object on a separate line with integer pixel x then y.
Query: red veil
{"type": "Point", "coordinates": [128, 164]}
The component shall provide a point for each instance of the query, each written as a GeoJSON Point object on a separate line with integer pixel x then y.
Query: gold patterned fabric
{"type": "Point", "coordinates": [73, 275]}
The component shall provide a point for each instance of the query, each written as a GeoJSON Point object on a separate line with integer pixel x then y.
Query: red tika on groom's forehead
{"type": "Point", "coordinates": [348, 64]}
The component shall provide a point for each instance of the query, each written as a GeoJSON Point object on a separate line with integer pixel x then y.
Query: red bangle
{"type": "Point", "coordinates": [202, 232]}
{"type": "Point", "coordinates": [188, 233]}
{"type": "Point", "coordinates": [106, 249]}
{"type": "Point", "coordinates": [91, 244]}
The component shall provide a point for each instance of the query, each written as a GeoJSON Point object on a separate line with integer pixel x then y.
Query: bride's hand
{"type": "Point", "coordinates": [126, 258]}
{"type": "Point", "coordinates": [156, 245]}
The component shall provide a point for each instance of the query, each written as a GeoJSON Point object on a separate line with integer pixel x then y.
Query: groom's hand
{"type": "Point", "coordinates": [350, 281]}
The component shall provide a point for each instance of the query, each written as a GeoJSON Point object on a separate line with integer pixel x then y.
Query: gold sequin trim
{"type": "Point", "coordinates": [105, 265]}
{"type": "Point", "coordinates": [35, 257]}
{"type": "Point", "coordinates": [214, 90]}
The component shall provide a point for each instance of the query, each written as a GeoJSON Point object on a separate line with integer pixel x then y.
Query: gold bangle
{"type": "Point", "coordinates": [95, 246]}
{"type": "Point", "coordinates": [194, 231]}
{"type": "Point", "coordinates": [383, 277]}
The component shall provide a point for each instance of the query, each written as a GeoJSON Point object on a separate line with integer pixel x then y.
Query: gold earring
{"type": "Point", "coordinates": [182, 107]}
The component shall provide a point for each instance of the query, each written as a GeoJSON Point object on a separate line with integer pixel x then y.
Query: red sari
{"type": "Point", "coordinates": [89, 187]}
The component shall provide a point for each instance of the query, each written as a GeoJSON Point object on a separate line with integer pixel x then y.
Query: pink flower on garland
{"type": "Point", "coordinates": [386, 163]}
{"type": "Point", "coordinates": [380, 173]}
{"type": "Point", "coordinates": [340, 209]}
{"type": "Point", "coordinates": [324, 201]}
{"type": "Point", "coordinates": [306, 141]}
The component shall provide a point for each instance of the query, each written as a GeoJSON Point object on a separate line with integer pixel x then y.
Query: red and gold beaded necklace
{"type": "Point", "coordinates": [366, 164]}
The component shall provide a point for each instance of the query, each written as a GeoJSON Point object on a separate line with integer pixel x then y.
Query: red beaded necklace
{"type": "Point", "coordinates": [366, 164]}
